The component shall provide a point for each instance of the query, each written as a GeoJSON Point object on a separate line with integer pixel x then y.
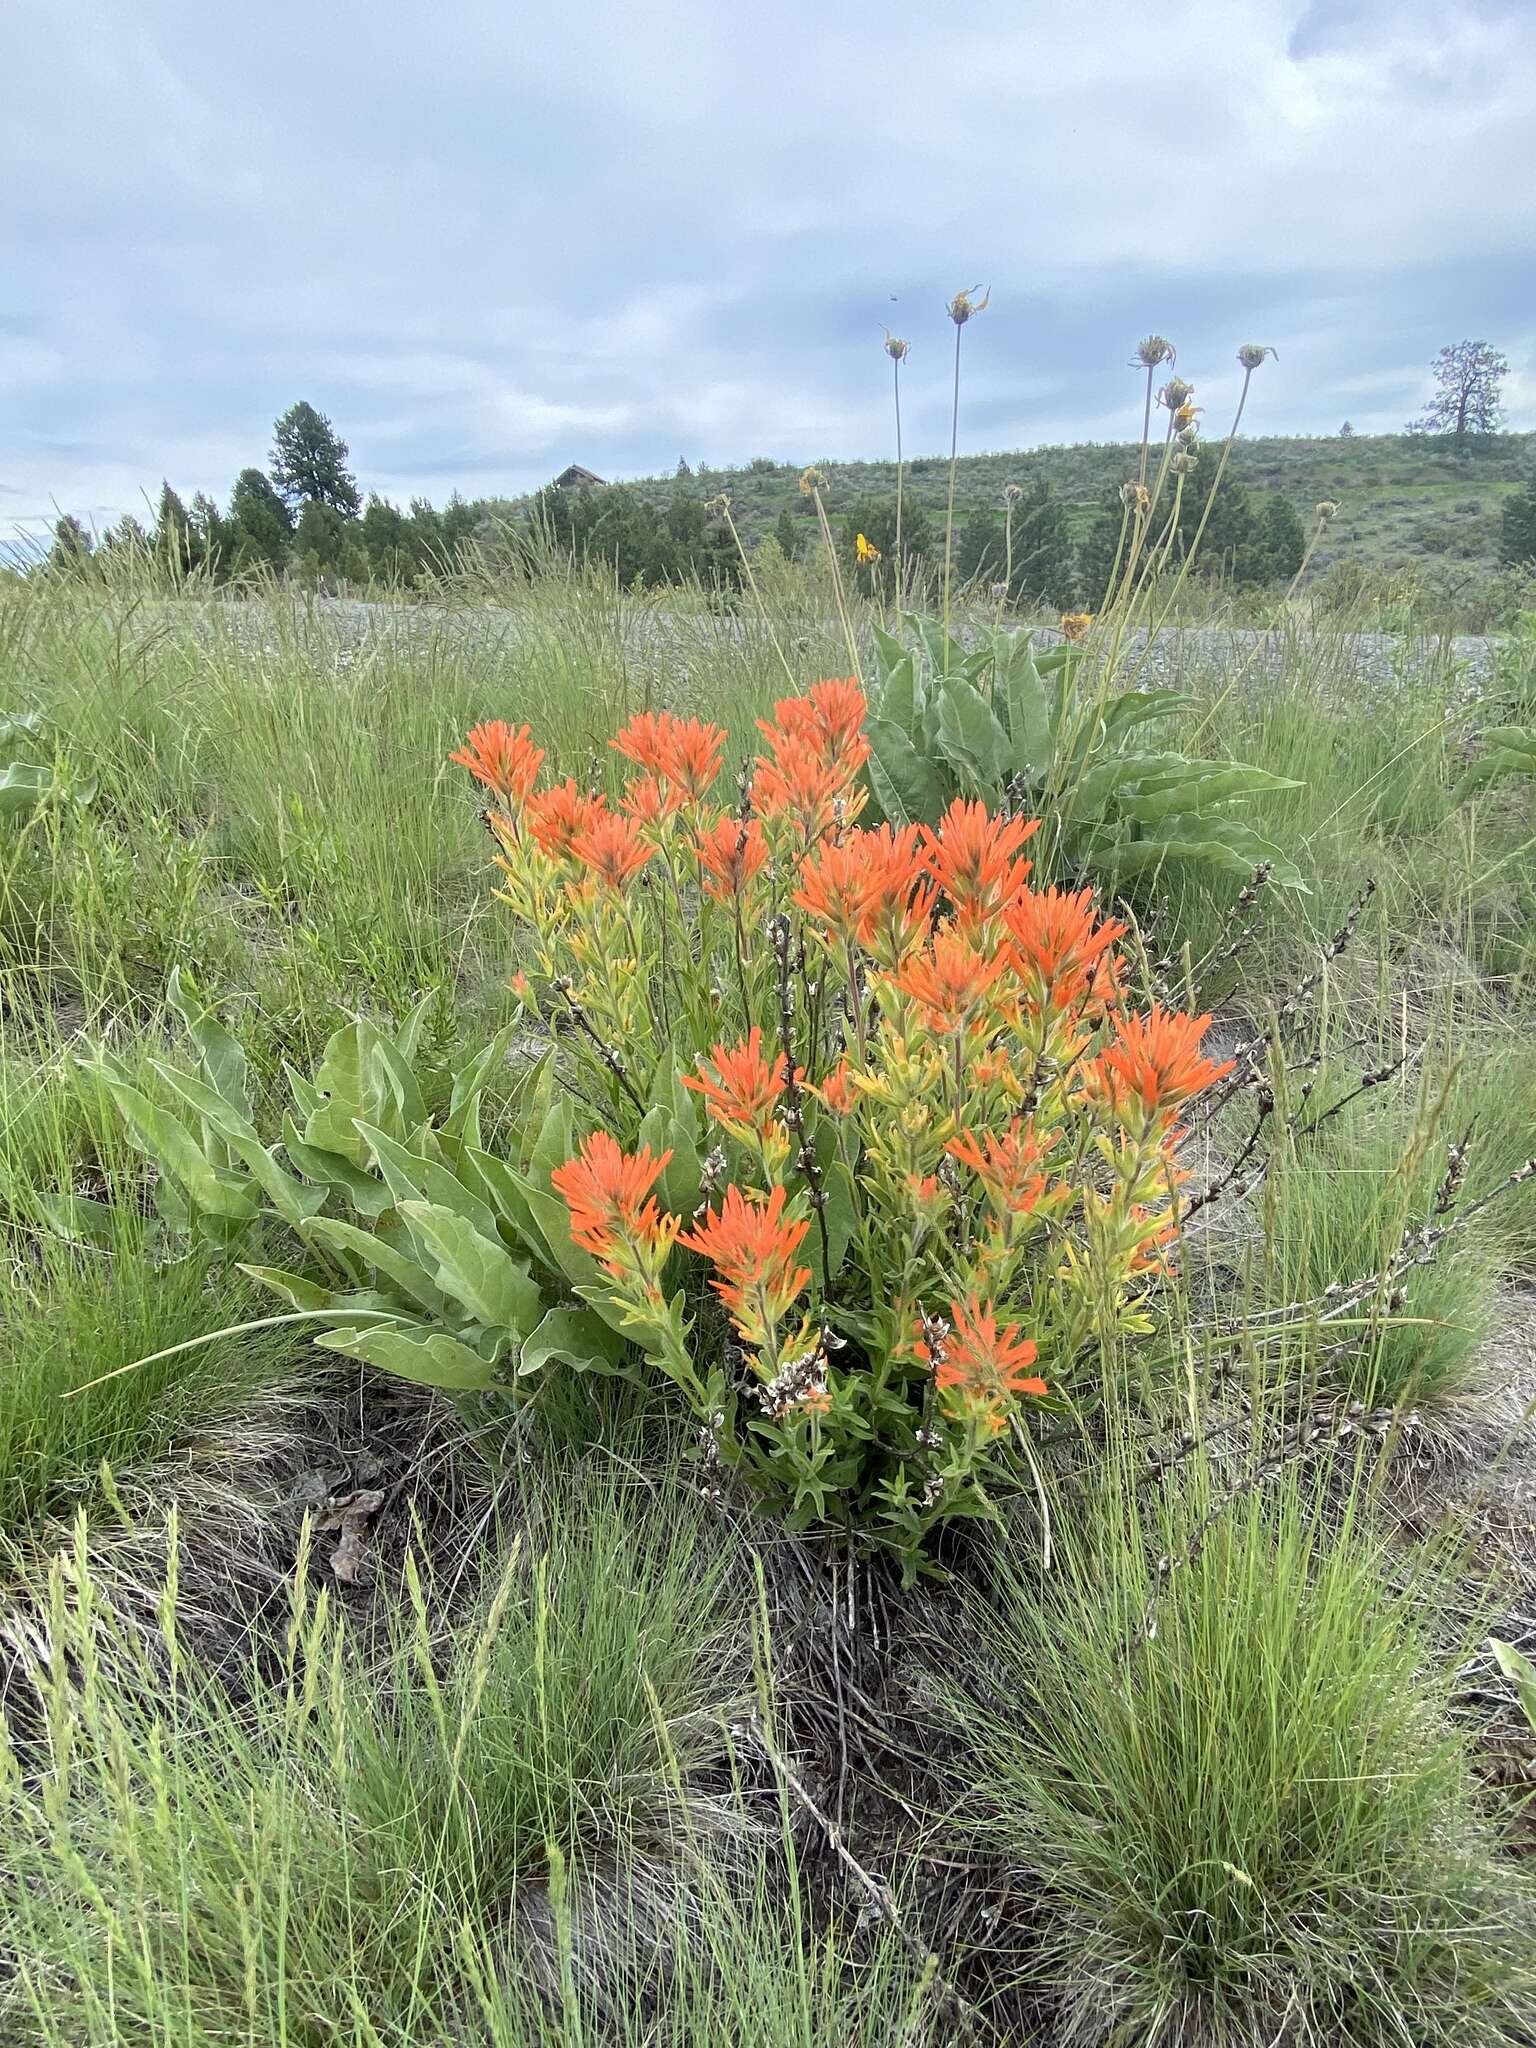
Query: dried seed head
{"type": "Point", "coordinates": [720, 502]}
{"type": "Point", "coordinates": [811, 481]}
{"type": "Point", "coordinates": [1188, 439]}
{"type": "Point", "coordinates": [1155, 349]}
{"type": "Point", "coordinates": [895, 347]}
{"type": "Point", "coordinates": [1074, 625]}
{"type": "Point", "coordinates": [1176, 392]}
{"type": "Point", "coordinates": [1326, 509]}
{"type": "Point", "coordinates": [1183, 462]}
{"type": "Point", "coordinates": [965, 305]}
{"type": "Point", "coordinates": [1136, 496]}
{"type": "Point", "coordinates": [1012, 494]}
{"type": "Point", "coordinates": [1251, 354]}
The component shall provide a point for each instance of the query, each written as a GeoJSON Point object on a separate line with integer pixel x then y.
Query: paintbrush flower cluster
{"type": "Point", "coordinates": [871, 1151]}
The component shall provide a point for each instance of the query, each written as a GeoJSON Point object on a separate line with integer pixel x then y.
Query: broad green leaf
{"type": "Point", "coordinates": [888, 649]}
{"type": "Point", "coordinates": [393, 1089]}
{"type": "Point", "coordinates": [167, 1140]}
{"type": "Point", "coordinates": [1211, 784]}
{"type": "Point", "coordinates": [505, 1192]}
{"type": "Point", "coordinates": [96, 1224]}
{"type": "Point", "coordinates": [971, 739]}
{"type": "Point", "coordinates": [552, 1219]}
{"type": "Point", "coordinates": [23, 785]}
{"type": "Point", "coordinates": [906, 783]}
{"type": "Point", "coordinates": [414, 1177]}
{"type": "Point", "coordinates": [429, 1358]}
{"type": "Point", "coordinates": [1494, 766]}
{"type": "Point", "coordinates": [220, 1054]}
{"type": "Point", "coordinates": [295, 1288]}
{"type": "Point", "coordinates": [475, 1269]}
{"type": "Point", "coordinates": [341, 1088]}
{"type": "Point", "coordinates": [292, 1200]}
{"type": "Point", "coordinates": [368, 1195]}
{"type": "Point", "coordinates": [897, 699]}
{"type": "Point", "coordinates": [1135, 707]}
{"type": "Point", "coordinates": [1029, 715]}
{"type": "Point", "coordinates": [1223, 843]}
{"type": "Point", "coordinates": [378, 1256]}
{"type": "Point", "coordinates": [575, 1337]}
{"type": "Point", "coordinates": [408, 1037]}
{"type": "Point", "coordinates": [1521, 1672]}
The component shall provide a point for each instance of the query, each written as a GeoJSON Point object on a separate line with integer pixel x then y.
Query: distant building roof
{"type": "Point", "coordinates": [575, 478]}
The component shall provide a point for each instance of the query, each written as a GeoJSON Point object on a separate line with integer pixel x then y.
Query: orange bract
{"type": "Point", "coordinates": [1004, 1165]}
{"type": "Point", "coordinates": [972, 856]}
{"type": "Point", "coordinates": [977, 1361]}
{"type": "Point", "coordinates": [949, 980]}
{"type": "Point", "coordinates": [730, 854]}
{"type": "Point", "coordinates": [504, 760]}
{"type": "Point", "coordinates": [684, 752]}
{"type": "Point", "coordinates": [739, 1085]}
{"type": "Point", "coordinates": [612, 848]}
{"type": "Point", "coordinates": [606, 1190]}
{"type": "Point", "coordinates": [1059, 947]}
{"type": "Point", "coordinates": [1154, 1061]}
{"type": "Point", "coordinates": [753, 1244]}
{"type": "Point", "coordinates": [649, 801]}
{"type": "Point", "coordinates": [556, 817]}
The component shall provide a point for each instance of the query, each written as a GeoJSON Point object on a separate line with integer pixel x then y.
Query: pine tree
{"type": "Point", "coordinates": [176, 541]}
{"type": "Point", "coordinates": [789, 535]}
{"type": "Point", "coordinates": [324, 545]}
{"type": "Point", "coordinates": [309, 462]}
{"type": "Point", "coordinates": [71, 550]}
{"type": "Point", "coordinates": [1042, 549]}
{"type": "Point", "coordinates": [260, 524]}
{"type": "Point", "coordinates": [1284, 540]}
{"type": "Point", "coordinates": [125, 537]}
{"type": "Point", "coordinates": [387, 542]}
{"type": "Point", "coordinates": [212, 539]}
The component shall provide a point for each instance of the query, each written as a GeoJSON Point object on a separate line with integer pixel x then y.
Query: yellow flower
{"type": "Point", "coordinates": [864, 550]}
{"type": "Point", "coordinates": [1075, 624]}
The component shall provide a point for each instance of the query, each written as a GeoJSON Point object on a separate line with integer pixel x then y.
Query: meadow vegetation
{"type": "Point", "coordinates": [669, 1376]}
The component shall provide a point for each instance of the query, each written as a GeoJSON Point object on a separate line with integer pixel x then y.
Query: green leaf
{"type": "Point", "coordinates": [97, 1225]}
{"type": "Point", "coordinates": [414, 1177]}
{"type": "Point", "coordinates": [1135, 707]}
{"type": "Point", "coordinates": [552, 1219]}
{"type": "Point", "coordinates": [295, 1288]}
{"type": "Point", "coordinates": [23, 785]}
{"type": "Point", "coordinates": [1211, 783]}
{"type": "Point", "coordinates": [393, 1088]}
{"type": "Point", "coordinates": [1029, 715]}
{"type": "Point", "coordinates": [971, 739]}
{"type": "Point", "coordinates": [378, 1256]}
{"type": "Point", "coordinates": [429, 1358]}
{"type": "Point", "coordinates": [1499, 761]}
{"type": "Point", "coordinates": [476, 1270]}
{"type": "Point", "coordinates": [341, 1092]}
{"type": "Point", "coordinates": [1226, 844]}
{"type": "Point", "coordinates": [897, 699]}
{"type": "Point", "coordinates": [289, 1197]}
{"type": "Point", "coordinates": [574, 1336]}
{"type": "Point", "coordinates": [213, 1190]}
{"type": "Point", "coordinates": [1521, 1672]}
{"type": "Point", "coordinates": [220, 1054]}
{"type": "Point", "coordinates": [368, 1195]}
{"type": "Point", "coordinates": [906, 783]}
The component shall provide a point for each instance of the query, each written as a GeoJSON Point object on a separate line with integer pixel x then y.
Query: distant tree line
{"type": "Point", "coordinates": [305, 516]}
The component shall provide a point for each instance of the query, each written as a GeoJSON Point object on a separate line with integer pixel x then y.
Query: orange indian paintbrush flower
{"type": "Point", "coordinates": [980, 1366]}
{"type": "Point", "coordinates": [557, 817]}
{"type": "Point", "coordinates": [1060, 946]}
{"type": "Point", "coordinates": [753, 1244]}
{"type": "Point", "coordinates": [973, 858]}
{"type": "Point", "coordinates": [741, 1087]}
{"type": "Point", "coordinates": [949, 980]}
{"type": "Point", "coordinates": [683, 752]}
{"type": "Point", "coordinates": [608, 1194]}
{"type": "Point", "coordinates": [1005, 1165]}
{"type": "Point", "coordinates": [731, 853]}
{"type": "Point", "coordinates": [613, 849]}
{"type": "Point", "coordinates": [1154, 1064]}
{"type": "Point", "coordinates": [502, 759]}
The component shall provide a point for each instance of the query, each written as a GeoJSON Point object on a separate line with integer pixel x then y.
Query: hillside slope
{"type": "Point", "coordinates": [1401, 496]}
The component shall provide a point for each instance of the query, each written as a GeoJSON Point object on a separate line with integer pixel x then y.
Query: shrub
{"type": "Point", "coordinates": [889, 1102]}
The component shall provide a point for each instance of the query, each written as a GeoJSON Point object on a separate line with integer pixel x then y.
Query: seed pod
{"type": "Point", "coordinates": [895, 347]}
{"type": "Point", "coordinates": [1251, 354]}
{"type": "Point", "coordinates": [965, 305]}
{"type": "Point", "coordinates": [1175, 392]}
{"type": "Point", "coordinates": [1155, 349]}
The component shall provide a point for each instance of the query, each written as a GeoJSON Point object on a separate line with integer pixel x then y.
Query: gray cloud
{"type": "Point", "coordinates": [491, 240]}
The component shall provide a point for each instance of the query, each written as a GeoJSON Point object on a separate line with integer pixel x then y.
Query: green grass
{"type": "Point", "coordinates": [352, 1854]}
{"type": "Point", "coordinates": [520, 1818]}
{"type": "Point", "coordinates": [1258, 1826]}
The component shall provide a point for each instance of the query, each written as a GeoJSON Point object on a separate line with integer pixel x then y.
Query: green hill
{"type": "Point", "coordinates": [1402, 497]}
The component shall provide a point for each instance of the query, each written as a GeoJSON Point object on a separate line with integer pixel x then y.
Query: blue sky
{"type": "Point", "coordinates": [490, 237]}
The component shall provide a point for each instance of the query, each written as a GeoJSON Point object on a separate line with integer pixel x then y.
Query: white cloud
{"type": "Point", "coordinates": [497, 240]}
